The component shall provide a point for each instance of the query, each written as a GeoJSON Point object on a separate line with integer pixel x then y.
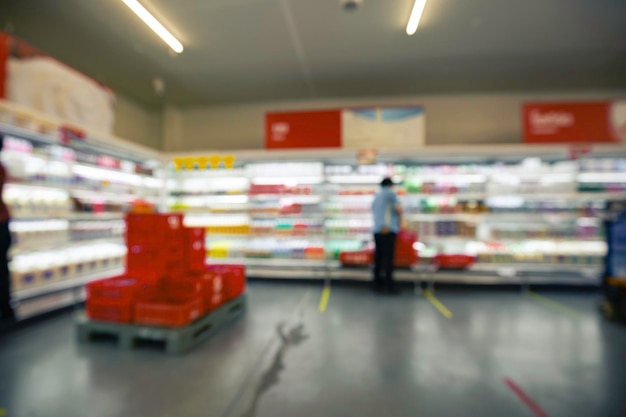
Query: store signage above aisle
{"type": "Point", "coordinates": [384, 128]}
{"type": "Point", "coordinates": [303, 130]}
{"type": "Point", "coordinates": [204, 162]}
{"type": "Point", "coordinates": [375, 127]}
{"type": "Point", "coordinates": [35, 81]}
{"type": "Point", "coordinates": [586, 122]}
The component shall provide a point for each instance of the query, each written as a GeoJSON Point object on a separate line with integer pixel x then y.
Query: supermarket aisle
{"type": "Point", "coordinates": [366, 355]}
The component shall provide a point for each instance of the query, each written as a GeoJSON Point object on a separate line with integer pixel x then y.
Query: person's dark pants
{"type": "Point", "coordinates": [6, 311]}
{"type": "Point", "coordinates": [383, 260]}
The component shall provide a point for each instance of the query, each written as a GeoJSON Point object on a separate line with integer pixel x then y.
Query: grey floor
{"type": "Point", "coordinates": [367, 355]}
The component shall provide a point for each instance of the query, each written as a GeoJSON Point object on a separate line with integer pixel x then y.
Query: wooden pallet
{"type": "Point", "coordinates": [176, 341]}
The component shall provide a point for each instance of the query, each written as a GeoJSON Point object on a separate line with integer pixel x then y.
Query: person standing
{"type": "Point", "coordinates": [387, 212]}
{"type": "Point", "coordinates": [6, 310]}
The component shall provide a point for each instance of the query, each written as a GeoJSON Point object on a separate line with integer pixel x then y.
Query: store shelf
{"type": "Point", "coordinates": [52, 297]}
{"type": "Point", "coordinates": [109, 196]}
{"type": "Point", "coordinates": [296, 198]}
{"type": "Point", "coordinates": [458, 196]}
{"type": "Point", "coordinates": [48, 304]}
{"type": "Point", "coordinates": [280, 236]}
{"type": "Point", "coordinates": [23, 295]}
{"type": "Point", "coordinates": [476, 217]}
{"type": "Point", "coordinates": [360, 215]}
{"type": "Point", "coordinates": [512, 268]}
{"type": "Point", "coordinates": [275, 262]}
{"type": "Point", "coordinates": [582, 196]}
{"type": "Point", "coordinates": [39, 195]}
{"type": "Point", "coordinates": [287, 217]}
{"type": "Point", "coordinates": [572, 239]}
{"type": "Point", "coordinates": [58, 188]}
{"type": "Point", "coordinates": [57, 246]}
{"type": "Point", "coordinates": [349, 236]}
{"type": "Point", "coordinates": [27, 134]}
{"type": "Point", "coordinates": [545, 202]}
{"type": "Point", "coordinates": [579, 196]}
{"type": "Point", "coordinates": [73, 217]}
{"type": "Point", "coordinates": [556, 276]}
{"type": "Point", "coordinates": [226, 236]}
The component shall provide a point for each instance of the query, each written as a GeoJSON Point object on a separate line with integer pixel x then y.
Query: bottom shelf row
{"type": "Point", "coordinates": [52, 296]}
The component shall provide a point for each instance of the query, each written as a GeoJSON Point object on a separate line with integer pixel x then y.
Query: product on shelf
{"type": "Point", "coordinates": [348, 226]}
{"type": "Point", "coordinates": [34, 269]}
{"type": "Point", "coordinates": [97, 229]}
{"type": "Point", "coordinates": [286, 227]}
{"type": "Point", "coordinates": [27, 234]}
{"type": "Point", "coordinates": [279, 189]}
{"type": "Point", "coordinates": [229, 230]}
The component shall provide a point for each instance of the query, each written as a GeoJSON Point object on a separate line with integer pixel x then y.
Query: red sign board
{"type": "Point", "coordinates": [591, 122]}
{"type": "Point", "coordinates": [301, 130]}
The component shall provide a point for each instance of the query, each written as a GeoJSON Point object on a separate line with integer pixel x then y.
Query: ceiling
{"type": "Point", "coordinates": [257, 50]}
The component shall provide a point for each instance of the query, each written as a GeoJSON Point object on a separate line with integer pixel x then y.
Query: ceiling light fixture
{"type": "Point", "coordinates": [416, 16]}
{"type": "Point", "coordinates": [155, 25]}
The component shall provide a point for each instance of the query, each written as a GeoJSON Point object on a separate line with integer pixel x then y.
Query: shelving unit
{"type": "Point", "coordinates": [529, 214]}
{"type": "Point", "coordinates": [67, 203]}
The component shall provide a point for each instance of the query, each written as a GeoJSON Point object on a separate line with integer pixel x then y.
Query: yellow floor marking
{"type": "Point", "coordinates": [325, 298]}
{"type": "Point", "coordinates": [438, 305]}
{"type": "Point", "coordinates": [555, 305]}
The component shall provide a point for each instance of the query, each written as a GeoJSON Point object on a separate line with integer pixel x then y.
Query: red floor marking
{"type": "Point", "coordinates": [525, 398]}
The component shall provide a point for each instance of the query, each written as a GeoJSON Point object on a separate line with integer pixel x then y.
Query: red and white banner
{"type": "Point", "coordinates": [300, 130]}
{"type": "Point", "coordinates": [36, 81]}
{"type": "Point", "coordinates": [358, 128]}
{"type": "Point", "coordinates": [587, 122]}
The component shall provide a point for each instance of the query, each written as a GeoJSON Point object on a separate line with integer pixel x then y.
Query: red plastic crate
{"type": "Point", "coordinates": [195, 249]}
{"type": "Point", "coordinates": [123, 288]}
{"type": "Point", "coordinates": [119, 311]}
{"type": "Point", "coordinates": [152, 229]}
{"type": "Point", "coordinates": [120, 288]}
{"type": "Point", "coordinates": [185, 287]}
{"type": "Point", "coordinates": [456, 261]}
{"type": "Point", "coordinates": [172, 223]}
{"type": "Point", "coordinates": [194, 234]}
{"type": "Point", "coordinates": [168, 311]}
{"type": "Point", "coordinates": [176, 271]}
{"type": "Point", "coordinates": [233, 279]}
{"type": "Point", "coordinates": [213, 290]}
{"type": "Point", "coordinates": [142, 258]}
{"type": "Point", "coordinates": [357, 258]}
{"type": "Point", "coordinates": [147, 262]}
{"type": "Point", "coordinates": [366, 258]}
{"type": "Point", "coordinates": [175, 251]}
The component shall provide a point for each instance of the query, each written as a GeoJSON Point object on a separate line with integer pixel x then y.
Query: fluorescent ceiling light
{"type": "Point", "coordinates": [155, 25]}
{"type": "Point", "coordinates": [416, 16]}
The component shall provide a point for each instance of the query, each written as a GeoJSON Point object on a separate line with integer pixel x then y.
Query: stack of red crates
{"type": "Point", "coordinates": [167, 282]}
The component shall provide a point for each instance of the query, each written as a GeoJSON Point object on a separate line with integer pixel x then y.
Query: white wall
{"type": "Point", "coordinates": [450, 119]}
{"type": "Point", "coordinates": [138, 124]}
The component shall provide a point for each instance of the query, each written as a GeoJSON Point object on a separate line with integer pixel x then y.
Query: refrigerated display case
{"type": "Point", "coordinates": [67, 203]}
{"type": "Point", "coordinates": [526, 214]}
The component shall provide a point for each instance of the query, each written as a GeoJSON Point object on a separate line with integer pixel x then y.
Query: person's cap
{"type": "Point", "coordinates": [387, 182]}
